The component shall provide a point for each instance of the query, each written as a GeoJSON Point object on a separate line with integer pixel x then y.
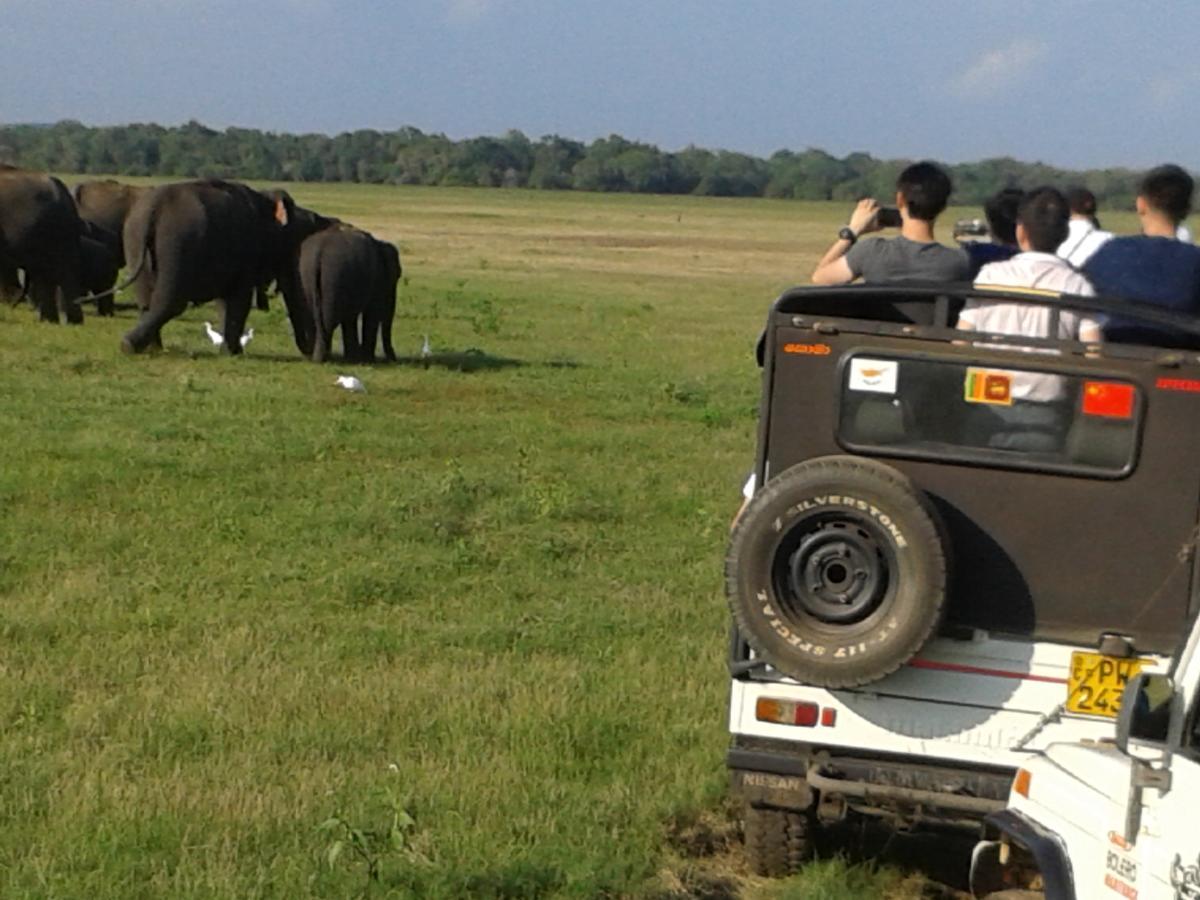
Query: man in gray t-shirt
{"type": "Point", "coordinates": [921, 194]}
{"type": "Point", "coordinates": [902, 259]}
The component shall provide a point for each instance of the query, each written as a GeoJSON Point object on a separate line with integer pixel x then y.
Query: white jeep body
{"type": "Point", "coordinates": [978, 706]}
{"type": "Point", "coordinates": [1112, 819]}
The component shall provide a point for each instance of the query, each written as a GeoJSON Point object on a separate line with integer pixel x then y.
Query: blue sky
{"type": "Point", "coordinates": [1072, 83]}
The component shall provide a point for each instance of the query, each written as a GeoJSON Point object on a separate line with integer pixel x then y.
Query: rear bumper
{"type": "Point", "coordinates": [794, 775]}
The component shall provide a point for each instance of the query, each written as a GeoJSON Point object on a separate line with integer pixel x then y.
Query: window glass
{"type": "Point", "coordinates": [1018, 418]}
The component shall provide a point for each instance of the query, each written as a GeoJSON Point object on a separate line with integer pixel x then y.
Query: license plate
{"type": "Point", "coordinates": [1096, 683]}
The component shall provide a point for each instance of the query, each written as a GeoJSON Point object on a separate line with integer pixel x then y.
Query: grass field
{"type": "Point", "coordinates": [461, 635]}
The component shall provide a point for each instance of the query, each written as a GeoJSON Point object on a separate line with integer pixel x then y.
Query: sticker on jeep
{"type": "Point", "coordinates": [1185, 879]}
{"type": "Point", "coordinates": [878, 376]}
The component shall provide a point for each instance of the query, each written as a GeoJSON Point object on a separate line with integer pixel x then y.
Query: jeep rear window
{"type": "Point", "coordinates": [1004, 417]}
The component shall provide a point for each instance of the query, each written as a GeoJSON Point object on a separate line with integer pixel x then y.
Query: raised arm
{"type": "Point", "coordinates": [833, 267]}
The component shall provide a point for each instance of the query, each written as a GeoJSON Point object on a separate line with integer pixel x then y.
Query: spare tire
{"type": "Point", "coordinates": [836, 571]}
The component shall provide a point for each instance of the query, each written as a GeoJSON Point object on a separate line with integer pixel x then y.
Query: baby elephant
{"type": "Point", "coordinates": [345, 275]}
{"type": "Point", "coordinates": [100, 262]}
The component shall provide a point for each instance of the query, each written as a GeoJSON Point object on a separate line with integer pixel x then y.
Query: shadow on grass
{"type": "Point", "coordinates": [943, 857]}
{"type": "Point", "coordinates": [477, 361]}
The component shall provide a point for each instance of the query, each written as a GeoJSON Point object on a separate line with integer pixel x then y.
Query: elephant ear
{"type": "Point", "coordinates": [284, 208]}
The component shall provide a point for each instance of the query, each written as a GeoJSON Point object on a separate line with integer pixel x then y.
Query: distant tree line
{"type": "Point", "coordinates": [409, 156]}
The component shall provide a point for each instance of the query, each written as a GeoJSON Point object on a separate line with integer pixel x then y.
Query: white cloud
{"type": "Point", "coordinates": [1001, 69]}
{"type": "Point", "coordinates": [1168, 89]}
{"type": "Point", "coordinates": [461, 12]}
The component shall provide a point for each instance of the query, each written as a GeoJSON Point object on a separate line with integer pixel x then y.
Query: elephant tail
{"type": "Point", "coordinates": [146, 254]}
{"type": "Point", "coordinates": [312, 290]}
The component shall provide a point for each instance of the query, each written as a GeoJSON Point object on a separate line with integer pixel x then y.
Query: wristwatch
{"type": "Point", "coordinates": [847, 234]}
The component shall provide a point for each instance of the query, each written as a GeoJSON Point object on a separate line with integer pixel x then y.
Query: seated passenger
{"type": "Point", "coordinates": [1085, 236]}
{"type": "Point", "coordinates": [1041, 225]}
{"type": "Point", "coordinates": [921, 194]}
{"type": "Point", "coordinates": [1035, 420]}
{"type": "Point", "coordinates": [1153, 267]}
{"type": "Point", "coordinates": [1001, 212]}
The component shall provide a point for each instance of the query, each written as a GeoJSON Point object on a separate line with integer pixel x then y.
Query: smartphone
{"type": "Point", "coordinates": [888, 217]}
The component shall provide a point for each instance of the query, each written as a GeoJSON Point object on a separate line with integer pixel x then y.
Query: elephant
{"type": "Point", "coordinates": [106, 204]}
{"type": "Point", "coordinates": [381, 310]}
{"type": "Point", "coordinates": [344, 274]}
{"type": "Point", "coordinates": [99, 267]}
{"type": "Point", "coordinates": [40, 233]}
{"type": "Point", "coordinates": [100, 259]}
{"type": "Point", "coordinates": [194, 241]}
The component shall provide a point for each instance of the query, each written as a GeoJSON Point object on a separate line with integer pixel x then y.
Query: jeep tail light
{"type": "Point", "coordinates": [1109, 399]}
{"type": "Point", "coordinates": [828, 717]}
{"type": "Point", "coordinates": [786, 712]}
{"type": "Point", "coordinates": [1021, 782]}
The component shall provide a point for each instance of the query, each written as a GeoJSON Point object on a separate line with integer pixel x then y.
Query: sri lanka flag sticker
{"type": "Point", "coordinates": [988, 386]}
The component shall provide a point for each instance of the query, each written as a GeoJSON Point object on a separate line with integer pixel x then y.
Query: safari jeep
{"type": "Point", "coordinates": [961, 548]}
{"type": "Point", "coordinates": [1115, 819]}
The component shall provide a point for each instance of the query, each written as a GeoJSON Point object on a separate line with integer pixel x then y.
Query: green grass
{"type": "Point", "coordinates": [468, 626]}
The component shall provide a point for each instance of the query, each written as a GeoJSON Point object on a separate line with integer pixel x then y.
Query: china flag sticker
{"type": "Point", "coordinates": [1109, 399]}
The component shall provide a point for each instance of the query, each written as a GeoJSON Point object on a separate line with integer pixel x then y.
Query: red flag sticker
{"type": "Point", "coordinates": [1110, 399]}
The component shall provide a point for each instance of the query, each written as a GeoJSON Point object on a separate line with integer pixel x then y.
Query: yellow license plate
{"type": "Point", "coordinates": [1096, 682]}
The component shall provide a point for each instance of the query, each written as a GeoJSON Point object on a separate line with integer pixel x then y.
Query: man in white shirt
{"type": "Point", "coordinates": [1041, 224]}
{"type": "Point", "coordinates": [1041, 220]}
{"type": "Point", "coordinates": [1084, 236]}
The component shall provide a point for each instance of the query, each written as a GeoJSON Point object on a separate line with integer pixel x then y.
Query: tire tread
{"type": "Point", "coordinates": [851, 467]}
{"type": "Point", "coordinates": [778, 841]}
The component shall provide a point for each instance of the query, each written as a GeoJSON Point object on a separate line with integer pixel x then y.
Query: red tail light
{"type": "Point", "coordinates": [786, 712]}
{"type": "Point", "coordinates": [1110, 399]}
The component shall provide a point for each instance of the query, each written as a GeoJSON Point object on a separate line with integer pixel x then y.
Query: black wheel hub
{"type": "Point", "coordinates": [837, 573]}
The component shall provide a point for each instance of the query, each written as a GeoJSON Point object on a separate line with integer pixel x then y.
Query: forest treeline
{"type": "Point", "coordinates": [409, 156]}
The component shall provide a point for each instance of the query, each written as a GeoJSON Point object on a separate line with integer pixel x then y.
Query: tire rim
{"type": "Point", "coordinates": [836, 569]}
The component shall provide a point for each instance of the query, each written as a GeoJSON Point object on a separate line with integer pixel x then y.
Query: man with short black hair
{"type": "Point", "coordinates": [1034, 421]}
{"type": "Point", "coordinates": [1153, 267]}
{"type": "Point", "coordinates": [922, 191]}
{"type": "Point", "coordinates": [1041, 227]}
{"type": "Point", "coordinates": [1085, 236]}
{"type": "Point", "coordinates": [1000, 209]}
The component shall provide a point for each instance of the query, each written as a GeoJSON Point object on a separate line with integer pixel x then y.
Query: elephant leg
{"type": "Point", "coordinates": [237, 308]}
{"type": "Point", "coordinates": [70, 287]}
{"type": "Point", "coordinates": [370, 330]}
{"type": "Point", "coordinates": [41, 291]}
{"type": "Point", "coordinates": [320, 351]}
{"type": "Point", "coordinates": [147, 332]}
{"type": "Point", "coordinates": [298, 312]}
{"type": "Point", "coordinates": [159, 302]}
{"type": "Point", "coordinates": [351, 349]}
{"type": "Point", "coordinates": [10, 284]}
{"type": "Point", "coordinates": [106, 305]}
{"type": "Point", "coordinates": [385, 330]}
{"type": "Point", "coordinates": [323, 328]}
{"type": "Point", "coordinates": [68, 304]}
{"type": "Point", "coordinates": [154, 339]}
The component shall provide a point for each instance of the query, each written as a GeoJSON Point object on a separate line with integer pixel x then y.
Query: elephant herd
{"type": "Point", "coordinates": [190, 242]}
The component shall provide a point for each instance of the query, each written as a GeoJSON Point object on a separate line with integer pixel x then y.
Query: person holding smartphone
{"type": "Point", "coordinates": [922, 191]}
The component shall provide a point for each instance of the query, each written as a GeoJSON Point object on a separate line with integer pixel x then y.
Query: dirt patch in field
{"type": "Point", "coordinates": [705, 859]}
